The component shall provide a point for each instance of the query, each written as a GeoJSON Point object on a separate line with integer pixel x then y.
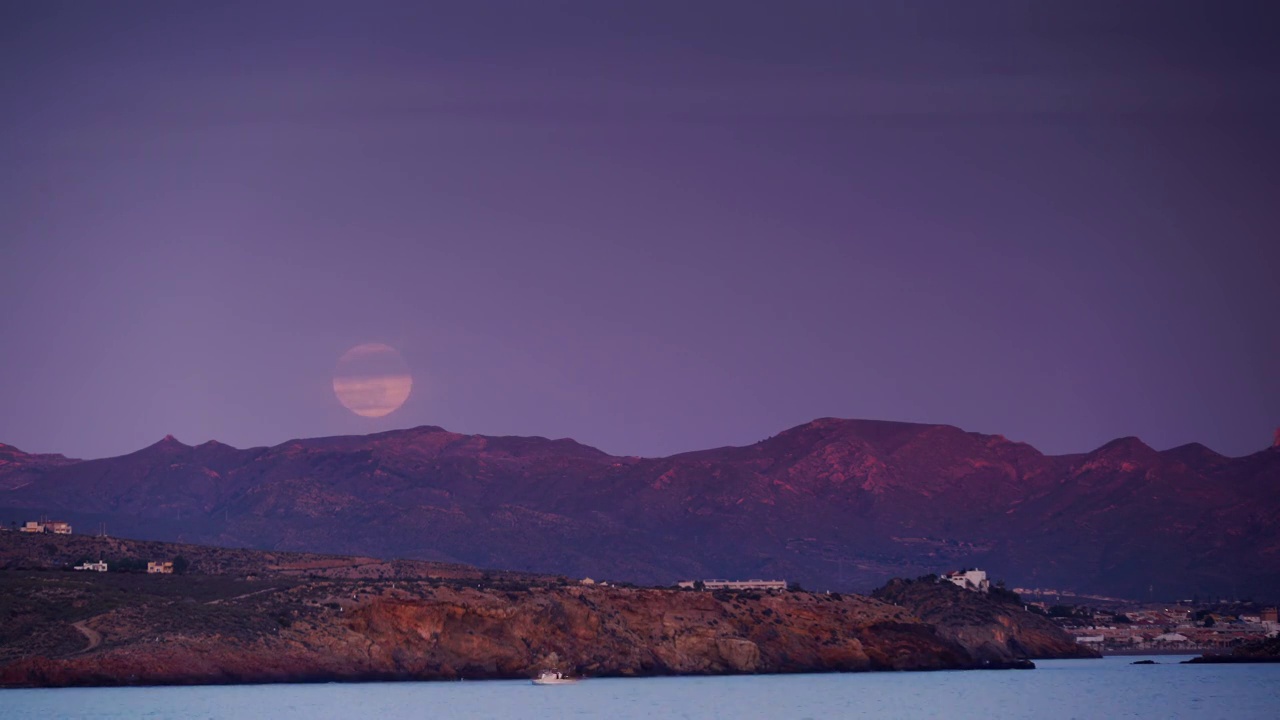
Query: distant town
{"type": "Point", "coordinates": [1119, 626]}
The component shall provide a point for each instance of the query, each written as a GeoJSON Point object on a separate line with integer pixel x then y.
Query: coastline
{"type": "Point", "coordinates": [262, 617]}
{"type": "Point", "coordinates": [375, 678]}
{"type": "Point", "coordinates": [1156, 652]}
{"type": "Point", "coordinates": [355, 631]}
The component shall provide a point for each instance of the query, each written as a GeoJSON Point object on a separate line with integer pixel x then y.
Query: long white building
{"type": "Point", "coordinates": [737, 584]}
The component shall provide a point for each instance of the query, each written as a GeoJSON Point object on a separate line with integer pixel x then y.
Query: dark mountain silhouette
{"type": "Point", "coordinates": [841, 504]}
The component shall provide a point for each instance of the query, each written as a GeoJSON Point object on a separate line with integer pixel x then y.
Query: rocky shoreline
{"type": "Point", "coordinates": [992, 626]}
{"type": "Point", "coordinates": [420, 632]}
{"type": "Point", "coordinates": [318, 620]}
{"type": "Point", "coordinates": [1263, 651]}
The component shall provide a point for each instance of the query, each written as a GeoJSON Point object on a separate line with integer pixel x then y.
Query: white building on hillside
{"type": "Point", "coordinates": [99, 566]}
{"type": "Point", "coordinates": [975, 580]}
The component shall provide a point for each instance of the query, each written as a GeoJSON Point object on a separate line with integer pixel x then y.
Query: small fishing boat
{"type": "Point", "coordinates": [554, 677]}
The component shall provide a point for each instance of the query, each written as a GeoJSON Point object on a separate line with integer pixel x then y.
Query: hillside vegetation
{"type": "Point", "coordinates": [293, 617]}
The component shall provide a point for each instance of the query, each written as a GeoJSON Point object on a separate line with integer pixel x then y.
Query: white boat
{"type": "Point", "coordinates": [554, 677]}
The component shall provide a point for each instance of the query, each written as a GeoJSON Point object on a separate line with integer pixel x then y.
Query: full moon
{"type": "Point", "coordinates": [372, 380]}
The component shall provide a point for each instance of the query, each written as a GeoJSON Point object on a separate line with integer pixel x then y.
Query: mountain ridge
{"type": "Point", "coordinates": [234, 615]}
{"type": "Point", "coordinates": [820, 422]}
{"type": "Point", "coordinates": [832, 503]}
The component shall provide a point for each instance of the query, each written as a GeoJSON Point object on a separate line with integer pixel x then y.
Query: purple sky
{"type": "Point", "coordinates": [649, 226]}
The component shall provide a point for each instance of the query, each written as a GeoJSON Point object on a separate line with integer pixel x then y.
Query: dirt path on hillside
{"type": "Point", "coordinates": [93, 636]}
{"type": "Point", "coordinates": [219, 601]}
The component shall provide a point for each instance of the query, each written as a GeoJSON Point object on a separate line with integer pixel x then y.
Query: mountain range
{"type": "Point", "coordinates": [838, 504]}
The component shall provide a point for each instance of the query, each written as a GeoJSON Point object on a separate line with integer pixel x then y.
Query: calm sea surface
{"type": "Point", "coordinates": [1107, 688]}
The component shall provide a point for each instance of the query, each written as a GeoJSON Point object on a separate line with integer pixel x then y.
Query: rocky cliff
{"type": "Point", "coordinates": [993, 627]}
{"type": "Point", "coordinates": [420, 630]}
{"type": "Point", "coordinates": [252, 616]}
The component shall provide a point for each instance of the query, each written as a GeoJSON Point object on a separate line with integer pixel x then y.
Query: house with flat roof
{"type": "Point", "coordinates": [975, 579]}
{"type": "Point", "coordinates": [56, 527]}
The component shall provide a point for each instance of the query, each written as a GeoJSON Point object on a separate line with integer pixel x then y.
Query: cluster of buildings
{"type": "Point", "coordinates": [153, 568]}
{"type": "Point", "coordinates": [1171, 629]}
{"type": "Point", "coordinates": [57, 527]}
{"type": "Point", "coordinates": [1149, 628]}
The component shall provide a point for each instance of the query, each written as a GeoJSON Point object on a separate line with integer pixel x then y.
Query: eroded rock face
{"type": "Point", "coordinates": [423, 632]}
{"type": "Point", "coordinates": [990, 628]}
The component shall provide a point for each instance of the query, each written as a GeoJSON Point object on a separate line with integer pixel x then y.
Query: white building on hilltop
{"type": "Point", "coordinates": [736, 584]}
{"type": "Point", "coordinates": [56, 527]}
{"type": "Point", "coordinates": [975, 580]}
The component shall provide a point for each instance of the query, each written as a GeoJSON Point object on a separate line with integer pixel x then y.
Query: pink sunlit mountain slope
{"type": "Point", "coordinates": [841, 504]}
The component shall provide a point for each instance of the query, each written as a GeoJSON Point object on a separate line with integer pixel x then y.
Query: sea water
{"type": "Point", "coordinates": [1059, 690]}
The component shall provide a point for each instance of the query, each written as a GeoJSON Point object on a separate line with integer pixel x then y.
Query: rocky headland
{"type": "Point", "coordinates": [994, 627]}
{"type": "Point", "coordinates": [298, 618]}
